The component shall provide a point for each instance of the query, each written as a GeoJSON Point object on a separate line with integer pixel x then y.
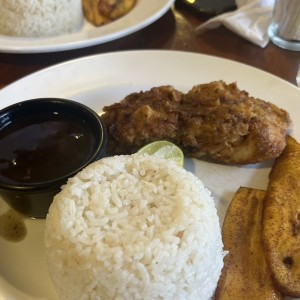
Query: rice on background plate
{"type": "Point", "coordinates": [134, 227]}
{"type": "Point", "coordinates": [40, 18]}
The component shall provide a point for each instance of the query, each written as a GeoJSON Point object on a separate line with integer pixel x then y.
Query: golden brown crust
{"type": "Point", "coordinates": [281, 220]}
{"type": "Point", "coordinates": [214, 120]}
{"type": "Point", "coordinates": [142, 118]}
{"type": "Point", "coordinates": [245, 274]}
{"type": "Point", "coordinates": [100, 12]}
{"type": "Point", "coordinates": [227, 125]}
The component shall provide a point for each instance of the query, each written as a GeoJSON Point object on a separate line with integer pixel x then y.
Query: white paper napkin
{"type": "Point", "coordinates": [250, 20]}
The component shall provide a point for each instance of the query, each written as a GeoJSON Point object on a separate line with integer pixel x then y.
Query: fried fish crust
{"type": "Point", "coordinates": [281, 220]}
{"type": "Point", "coordinates": [100, 12]}
{"type": "Point", "coordinates": [245, 274]}
{"type": "Point", "coordinates": [215, 121]}
{"type": "Point", "coordinates": [142, 118]}
{"type": "Point", "coordinates": [226, 125]}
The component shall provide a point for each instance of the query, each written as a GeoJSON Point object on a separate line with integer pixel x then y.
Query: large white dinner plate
{"type": "Point", "coordinates": [144, 13]}
{"type": "Point", "coordinates": [104, 79]}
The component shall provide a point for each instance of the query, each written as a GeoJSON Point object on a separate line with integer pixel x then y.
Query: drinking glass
{"type": "Point", "coordinates": [284, 30]}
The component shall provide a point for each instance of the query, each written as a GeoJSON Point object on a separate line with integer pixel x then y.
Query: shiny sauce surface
{"type": "Point", "coordinates": [43, 149]}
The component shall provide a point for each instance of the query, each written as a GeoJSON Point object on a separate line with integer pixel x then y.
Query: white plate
{"type": "Point", "coordinates": [104, 79]}
{"type": "Point", "coordinates": [144, 13]}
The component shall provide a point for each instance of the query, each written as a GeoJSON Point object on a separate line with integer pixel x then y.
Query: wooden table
{"type": "Point", "coordinates": [174, 31]}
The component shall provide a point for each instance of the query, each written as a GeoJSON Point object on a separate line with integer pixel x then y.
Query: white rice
{"type": "Point", "coordinates": [134, 227]}
{"type": "Point", "coordinates": [40, 18]}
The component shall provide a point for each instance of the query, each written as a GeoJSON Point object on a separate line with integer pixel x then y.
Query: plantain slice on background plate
{"type": "Point", "coordinates": [281, 220]}
{"type": "Point", "coordinates": [100, 12]}
{"type": "Point", "coordinates": [245, 274]}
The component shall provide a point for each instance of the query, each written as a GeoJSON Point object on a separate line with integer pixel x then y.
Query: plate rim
{"type": "Point", "coordinates": [158, 52]}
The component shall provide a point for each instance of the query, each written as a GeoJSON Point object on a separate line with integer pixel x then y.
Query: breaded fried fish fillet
{"type": "Point", "coordinates": [281, 220]}
{"type": "Point", "coordinates": [225, 124]}
{"type": "Point", "coordinates": [214, 120]}
{"type": "Point", "coordinates": [245, 274]}
{"type": "Point", "coordinates": [100, 12]}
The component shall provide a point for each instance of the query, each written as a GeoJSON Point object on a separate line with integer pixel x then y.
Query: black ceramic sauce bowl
{"type": "Point", "coordinates": [43, 142]}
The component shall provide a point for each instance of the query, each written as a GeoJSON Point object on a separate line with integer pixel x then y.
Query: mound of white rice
{"type": "Point", "coordinates": [134, 227]}
{"type": "Point", "coordinates": [40, 18]}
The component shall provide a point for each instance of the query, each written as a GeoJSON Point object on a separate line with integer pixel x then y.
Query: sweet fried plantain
{"type": "Point", "coordinates": [245, 274]}
{"type": "Point", "coordinates": [281, 220]}
{"type": "Point", "coordinates": [100, 12]}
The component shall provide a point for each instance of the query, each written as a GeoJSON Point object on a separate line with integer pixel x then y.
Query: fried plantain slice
{"type": "Point", "coordinates": [245, 274]}
{"type": "Point", "coordinates": [100, 12]}
{"type": "Point", "coordinates": [281, 220]}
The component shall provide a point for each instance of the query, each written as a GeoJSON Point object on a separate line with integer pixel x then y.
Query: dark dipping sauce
{"type": "Point", "coordinates": [43, 142]}
{"type": "Point", "coordinates": [43, 148]}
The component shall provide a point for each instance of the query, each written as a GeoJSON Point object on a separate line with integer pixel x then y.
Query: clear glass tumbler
{"type": "Point", "coordinates": [284, 30]}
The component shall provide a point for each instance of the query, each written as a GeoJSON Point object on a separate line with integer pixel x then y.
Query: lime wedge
{"type": "Point", "coordinates": [164, 149]}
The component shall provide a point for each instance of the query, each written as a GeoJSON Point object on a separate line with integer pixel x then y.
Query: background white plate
{"type": "Point", "coordinates": [144, 13]}
{"type": "Point", "coordinates": [104, 79]}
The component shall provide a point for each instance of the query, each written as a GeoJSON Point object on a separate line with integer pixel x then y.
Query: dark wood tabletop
{"type": "Point", "coordinates": [174, 31]}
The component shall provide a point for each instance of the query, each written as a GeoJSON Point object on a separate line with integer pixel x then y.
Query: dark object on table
{"type": "Point", "coordinates": [43, 142]}
{"type": "Point", "coordinates": [207, 7]}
